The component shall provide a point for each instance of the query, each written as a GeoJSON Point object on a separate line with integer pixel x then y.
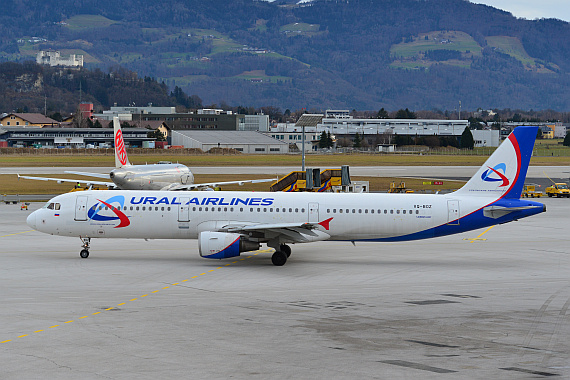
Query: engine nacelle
{"type": "Point", "coordinates": [222, 245]}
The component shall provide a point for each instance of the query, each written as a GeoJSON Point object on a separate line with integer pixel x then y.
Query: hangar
{"type": "Point", "coordinates": [242, 141]}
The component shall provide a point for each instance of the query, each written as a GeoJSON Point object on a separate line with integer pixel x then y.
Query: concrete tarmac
{"type": "Point", "coordinates": [480, 305]}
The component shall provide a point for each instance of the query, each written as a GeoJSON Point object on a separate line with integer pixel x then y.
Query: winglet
{"type": "Point", "coordinates": [325, 223]}
{"type": "Point", "coordinates": [121, 158]}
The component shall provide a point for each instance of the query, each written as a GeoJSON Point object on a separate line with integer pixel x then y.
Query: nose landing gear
{"type": "Point", "coordinates": [85, 251]}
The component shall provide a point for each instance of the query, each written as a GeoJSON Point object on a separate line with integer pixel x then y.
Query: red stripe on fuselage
{"type": "Point", "coordinates": [122, 217]}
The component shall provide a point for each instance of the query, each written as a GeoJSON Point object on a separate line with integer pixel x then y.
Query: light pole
{"type": "Point", "coordinates": [459, 110]}
{"type": "Point", "coordinates": [303, 150]}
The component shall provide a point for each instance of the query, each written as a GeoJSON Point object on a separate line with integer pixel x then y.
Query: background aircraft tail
{"type": "Point", "coordinates": [121, 158]}
{"type": "Point", "coordinates": [504, 173]}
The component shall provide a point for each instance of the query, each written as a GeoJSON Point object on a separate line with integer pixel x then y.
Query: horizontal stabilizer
{"type": "Point", "coordinates": [498, 211]}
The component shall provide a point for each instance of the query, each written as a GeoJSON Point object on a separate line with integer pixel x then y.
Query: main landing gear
{"type": "Point", "coordinates": [280, 256]}
{"type": "Point", "coordinates": [85, 251]}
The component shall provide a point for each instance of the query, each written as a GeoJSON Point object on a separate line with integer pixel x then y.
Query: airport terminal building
{"type": "Point", "coordinates": [21, 137]}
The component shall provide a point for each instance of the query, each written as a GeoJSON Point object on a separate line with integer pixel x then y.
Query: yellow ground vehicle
{"type": "Point", "coordinates": [401, 188]}
{"type": "Point", "coordinates": [558, 190]}
{"type": "Point", "coordinates": [530, 191]}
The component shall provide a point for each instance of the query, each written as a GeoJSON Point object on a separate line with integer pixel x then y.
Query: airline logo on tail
{"type": "Point", "coordinates": [487, 175]}
{"type": "Point", "coordinates": [121, 152]}
{"type": "Point", "coordinates": [93, 212]}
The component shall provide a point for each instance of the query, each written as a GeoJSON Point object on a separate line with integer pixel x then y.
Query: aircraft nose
{"type": "Point", "coordinates": [31, 220]}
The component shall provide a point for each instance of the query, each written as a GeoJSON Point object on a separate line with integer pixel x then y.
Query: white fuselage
{"type": "Point", "coordinates": [151, 177]}
{"type": "Point", "coordinates": [183, 215]}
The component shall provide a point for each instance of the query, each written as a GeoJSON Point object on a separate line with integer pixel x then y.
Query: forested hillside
{"type": "Point", "coordinates": [359, 54]}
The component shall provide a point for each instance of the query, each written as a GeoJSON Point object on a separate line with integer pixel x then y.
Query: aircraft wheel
{"type": "Point", "coordinates": [286, 249]}
{"type": "Point", "coordinates": [279, 258]}
{"type": "Point", "coordinates": [84, 253]}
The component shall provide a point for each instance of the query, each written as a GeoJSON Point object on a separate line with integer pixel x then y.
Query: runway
{"type": "Point", "coordinates": [368, 171]}
{"type": "Point", "coordinates": [487, 304]}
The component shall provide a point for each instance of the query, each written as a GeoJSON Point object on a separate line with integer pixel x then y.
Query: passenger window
{"type": "Point", "coordinates": [284, 209]}
{"type": "Point", "coordinates": [385, 211]}
{"type": "Point", "coordinates": [328, 210]}
{"type": "Point", "coordinates": [366, 211]}
{"type": "Point", "coordinates": [162, 208]}
{"type": "Point", "coordinates": [251, 209]}
{"type": "Point", "coordinates": [137, 208]}
{"type": "Point", "coordinates": [334, 210]}
{"type": "Point", "coordinates": [276, 209]}
{"type": "Point", "coordinates": [391, 211]}
{"type": "Point", "coordinates": [340, 210]}
{"type": "Point", "coordinates": [199, 208]}
{"type": "Point", "coordinates": [347, 211]}
{"type": "Point", "coordinates": [353, 211]}
{"type": "Point", "coordinates": [360, 211]}
{"type": "Point", "coordinates": [296, 210]}
{"type": "Point", "coordinates": [205, 208]}
{"type": "Point", "coordinates": [410, 211]}
{"type": "Point", "coordinates": [258, 209]}
{"type": "Point", "coordinates": [270, 210]}
{"type": "Point", "coordinates": [225, 209]}
{"type": "Point", "coordinates": [404, 211]}
{"type": "Point", "coordinates": [168, 208]}
{"type": "Point", "coordinates": [193, 208]}
{"type": "Point", "coordinates": [290, 210]}
{"type": "Point", "coordinates": [417, 212]}
{"type": "Point", "coordinates": [219, 209]}
{"type": "Point", "coordinates": [302, 210]}
{"type": "Point", "coordinates": [397, 211]}
{"type": "Point", "coordinates": [264, 209]}
{"type": "Point", "coordinates": [143, 208]}
{"type": "Point", "coordinates": [372, 211]}
{"type": "Point", "coordinates": [100, 208]}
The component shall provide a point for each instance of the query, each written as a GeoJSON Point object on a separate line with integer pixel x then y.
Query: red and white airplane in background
{"type": "Point", "coordinates": [125, 176]}
{"type": "Point", "coordinates": [228, 223]}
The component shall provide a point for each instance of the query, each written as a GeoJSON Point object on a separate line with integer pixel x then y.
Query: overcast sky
{"type": "Point", "coordinates": [532, 9]}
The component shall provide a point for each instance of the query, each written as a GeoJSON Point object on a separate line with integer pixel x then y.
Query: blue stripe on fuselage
{"type": "Point", "coordinates": [473, 221]}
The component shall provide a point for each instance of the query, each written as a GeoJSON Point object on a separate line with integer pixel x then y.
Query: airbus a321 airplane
{"type": "Point", "coordinates": [228, 223]}
{"type": "Point", "coordinates": [143, 177]}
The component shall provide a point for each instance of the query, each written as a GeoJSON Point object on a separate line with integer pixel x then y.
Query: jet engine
{"type": "Point", "coordinates": [222, 245]}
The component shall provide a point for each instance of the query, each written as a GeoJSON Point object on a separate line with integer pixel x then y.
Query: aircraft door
{"type": "Point", "coordinates": [313, 212]}
{"type": "Point", "coordinates": [81, 208]}
{"type": "Point", "coordinates": [184, 210]}
{"type": "Point", "coordinates": [453, 212]}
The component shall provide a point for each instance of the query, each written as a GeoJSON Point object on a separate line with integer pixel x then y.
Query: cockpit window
{"type": "Point", "coordinates": [50, 206]}
{"type": "Point", "coordinates": [57, 206]}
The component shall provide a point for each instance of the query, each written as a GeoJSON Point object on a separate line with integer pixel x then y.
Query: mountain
{"type": "Point", "coordinates": [362, 54]}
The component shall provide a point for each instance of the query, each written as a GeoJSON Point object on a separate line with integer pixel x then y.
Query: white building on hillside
{"type": "Point", "coordinates": [54, 58]}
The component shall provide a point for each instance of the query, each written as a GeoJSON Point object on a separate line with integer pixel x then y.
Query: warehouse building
{"type": "Point", "coordinates": [251, 142]}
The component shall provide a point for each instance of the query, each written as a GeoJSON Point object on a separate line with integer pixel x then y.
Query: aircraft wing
{"type": "Point", "coordinates": [291, 232]}
{"type": "Point", "coordinates": [87, 174]}
{"type": "Point", "coordinates": [60, 180]}
{"type": "Point", "coordinates": [178, 186]}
